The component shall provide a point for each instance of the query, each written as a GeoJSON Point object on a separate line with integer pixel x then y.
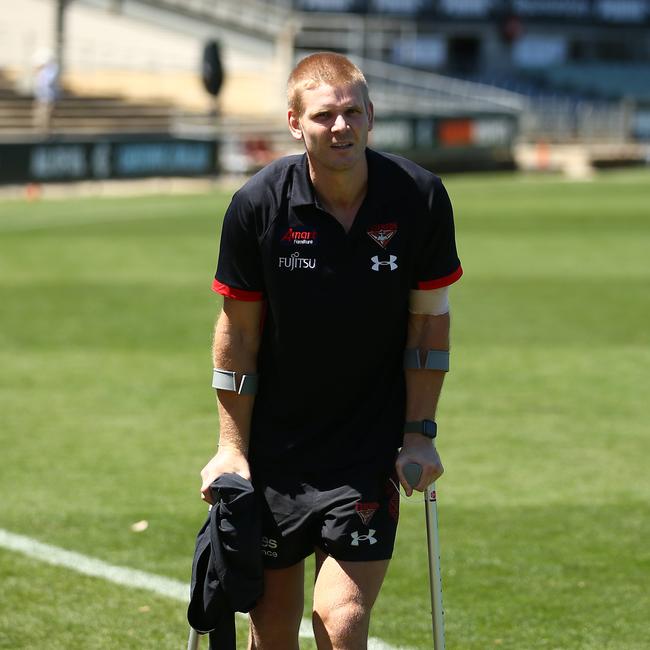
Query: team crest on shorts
{"type": "Point", "coordinates": [366, 510]}
{"type": "Point", "coordinates": [382, 233]}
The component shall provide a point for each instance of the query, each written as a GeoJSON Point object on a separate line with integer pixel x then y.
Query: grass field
{"type": "Point", "coordinates": [107, 418]}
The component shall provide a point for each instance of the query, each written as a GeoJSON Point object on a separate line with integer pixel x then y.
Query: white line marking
{"type": "Point", "coordinates": [92, 567]}
{"type": "Point", "coordinates": [89, 566]}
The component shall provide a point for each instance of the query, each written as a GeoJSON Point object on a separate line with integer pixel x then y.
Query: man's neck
{"type": "Point", "coordinates": [341, 192]}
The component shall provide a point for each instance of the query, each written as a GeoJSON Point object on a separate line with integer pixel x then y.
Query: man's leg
{"type": "Point", "coordinates": [344, 594]}
{"type": "Point", "coordinates": [275, 620]}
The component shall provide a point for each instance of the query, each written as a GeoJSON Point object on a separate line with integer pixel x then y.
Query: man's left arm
{"type": "Point", "coordinates": [425, 332]}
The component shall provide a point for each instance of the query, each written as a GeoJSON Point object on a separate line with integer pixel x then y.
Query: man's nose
{"type": "Point", "coordinates": [339, 123]}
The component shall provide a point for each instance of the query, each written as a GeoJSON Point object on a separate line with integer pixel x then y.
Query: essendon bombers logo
{"type": "Point", "coordinates": [299, 237]}
{"type": "Point", "coordinates": [366, 510]}
{"type": "Point", "coordinates": [382, 233]}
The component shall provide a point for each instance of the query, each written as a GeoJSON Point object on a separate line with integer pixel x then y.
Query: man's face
{"type": "Point", "coordinates": [334, 125]}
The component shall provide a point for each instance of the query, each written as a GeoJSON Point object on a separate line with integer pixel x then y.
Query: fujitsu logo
{"type": "Point", "coordinates": [299, 237]}
{"type": "Point", "coordinates": [377, 263]}
{"type": "Point", "coordinates": [296, 262]}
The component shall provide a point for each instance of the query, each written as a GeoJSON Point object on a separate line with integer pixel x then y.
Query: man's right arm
{"type": "Point", "coordinates": [237, 336]}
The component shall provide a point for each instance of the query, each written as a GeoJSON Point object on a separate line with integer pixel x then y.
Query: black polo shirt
{"type": "Point", "coordinates": [332, 391]}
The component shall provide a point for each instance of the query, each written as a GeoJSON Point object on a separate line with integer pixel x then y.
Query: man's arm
{"type": "Point", "coordinates": [422, 393]}
{"type": "Point", "coordinates": [237, 335]}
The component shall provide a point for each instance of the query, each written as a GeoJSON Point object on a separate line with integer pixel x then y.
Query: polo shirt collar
{"type": "Point", "coordinates": [302, 191]}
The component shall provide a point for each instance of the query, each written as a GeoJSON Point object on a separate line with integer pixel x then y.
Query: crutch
{"type": "Point", "coordinates": [193, 640]}
{"type": "Point", "coordinates": [412, 473]}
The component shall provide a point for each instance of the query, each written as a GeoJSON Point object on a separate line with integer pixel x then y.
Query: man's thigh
{"type": "Point", "coordinates": [359, 581]}
{"type": "Point", "coordinates": [275, 620]}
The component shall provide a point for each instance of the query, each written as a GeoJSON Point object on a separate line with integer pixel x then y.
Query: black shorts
{"type": "Point", "coordinates": [350, 516]}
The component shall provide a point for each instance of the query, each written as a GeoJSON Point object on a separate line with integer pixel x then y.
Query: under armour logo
{"type": "Point", "coordinates": [356, 538]}
{"type": "Point", "coordinates": [376, 262]}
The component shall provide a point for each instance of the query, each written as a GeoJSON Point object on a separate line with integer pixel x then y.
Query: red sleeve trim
{"type": "Point", "coordinates": [441, 282]}
{"type": "Point", "coordinates": [237, 294]}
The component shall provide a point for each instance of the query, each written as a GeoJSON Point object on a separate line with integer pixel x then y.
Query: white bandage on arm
{"type": "Point", "coordinates": [432, 302]}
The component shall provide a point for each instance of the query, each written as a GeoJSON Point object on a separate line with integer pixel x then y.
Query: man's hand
{"type": "Point", "coordinates": [418, 449]}
{"type": "Point", "coordinates": [228, 460]}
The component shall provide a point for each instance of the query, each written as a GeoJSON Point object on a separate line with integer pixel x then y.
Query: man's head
{"type": "Point", "coordinates": [330, 111]}
{"type": "Point", "coordinates": [42, 57]}
{"type": "Point", "coordinates": [323, 68]}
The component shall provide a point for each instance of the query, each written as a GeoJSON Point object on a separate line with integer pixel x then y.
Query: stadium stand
{"type": "Point", "coordinates": [458, 75]}
{"type": "Point", "coordinates": [579, 70]}
{"type": "Point", "coordinates": [602, 80]}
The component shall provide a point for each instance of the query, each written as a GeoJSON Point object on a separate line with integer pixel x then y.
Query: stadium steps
{"type": "Point", "coordinates": [76, 114]}
{"type": "Point", "coordinates": [96, 116]}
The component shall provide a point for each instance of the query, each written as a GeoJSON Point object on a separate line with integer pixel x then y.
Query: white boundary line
{"type": "Point", "coordinates": [132, 578]}
{"type": "Point", "coordinates": [89, 566]}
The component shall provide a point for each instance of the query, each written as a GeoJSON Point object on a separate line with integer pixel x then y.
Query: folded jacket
{"type": "Point", "coordinates": [227, 571]}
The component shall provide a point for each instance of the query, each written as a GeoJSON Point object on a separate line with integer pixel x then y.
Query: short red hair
{"type": "Point", "coordinates": [323, 68]}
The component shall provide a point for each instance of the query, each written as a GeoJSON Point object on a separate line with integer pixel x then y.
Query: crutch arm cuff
{"type": "Point", "coordinates": [227, 380]}
{"type": "Point", "coordinates": [435, 360]}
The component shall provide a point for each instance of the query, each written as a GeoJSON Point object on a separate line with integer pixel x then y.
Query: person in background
{"type": "Point", "coordinates": [46, 89]}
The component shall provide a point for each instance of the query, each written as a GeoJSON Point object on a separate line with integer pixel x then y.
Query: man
{"type": "Point", "coordinates": [46, 89]}
{"type": "Point", "coordinates": [332, 264]}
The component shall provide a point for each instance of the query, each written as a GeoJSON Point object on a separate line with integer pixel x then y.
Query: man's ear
{"type": "Point", "coordinates": [371, 115]}
{"type": "Point", "coordinates": [294, 124]}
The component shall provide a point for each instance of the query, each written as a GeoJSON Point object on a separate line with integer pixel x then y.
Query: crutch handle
{"type": "Point", "coordinates": [412, 473]}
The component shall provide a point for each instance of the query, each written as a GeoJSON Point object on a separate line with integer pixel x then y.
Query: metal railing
{"type": "Point", "coordinates": [255, 17]}
{"type": "Point", "coordinates": [437, 91]}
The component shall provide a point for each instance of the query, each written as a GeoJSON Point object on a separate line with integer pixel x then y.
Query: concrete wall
{"type": "Point", "coordinates": [143, 55]}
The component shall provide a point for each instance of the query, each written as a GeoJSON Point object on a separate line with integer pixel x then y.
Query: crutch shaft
{"type": "Point", "coordinates": [435, 578]}
{"type": "Point", "coordinates": [193, 640]}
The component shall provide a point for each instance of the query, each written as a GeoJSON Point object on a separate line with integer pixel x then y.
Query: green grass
{"type": "Point", "coordinates": [107, 417]}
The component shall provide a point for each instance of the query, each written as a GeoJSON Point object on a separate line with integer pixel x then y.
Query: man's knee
{"type": "Point", "coordinates": [344, 623]}
{"type": "Point", "coordinates": [273, 632]}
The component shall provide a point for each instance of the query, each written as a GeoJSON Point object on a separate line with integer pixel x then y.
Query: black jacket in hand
{"type": "Point", "coordinates": [227, 572]}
